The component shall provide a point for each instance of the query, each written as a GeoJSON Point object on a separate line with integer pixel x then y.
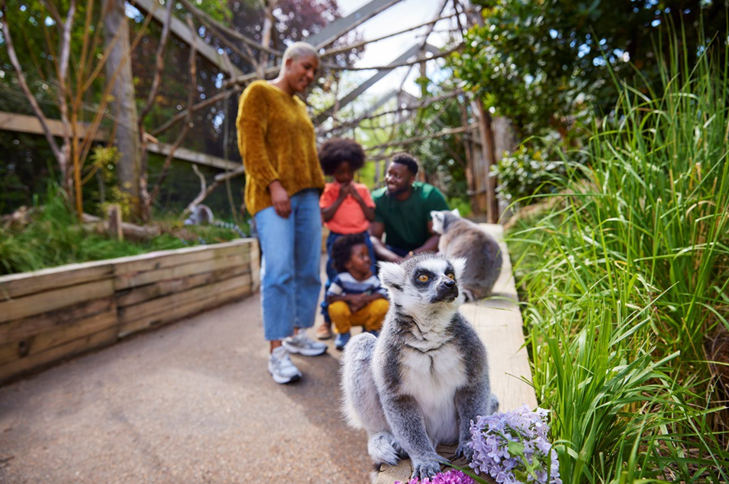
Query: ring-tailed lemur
{"type": "Point", "coordinates": [426, 377]}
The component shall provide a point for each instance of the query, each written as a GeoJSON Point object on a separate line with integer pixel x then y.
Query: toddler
{"type": "Point", "coordinates": [355, 296]}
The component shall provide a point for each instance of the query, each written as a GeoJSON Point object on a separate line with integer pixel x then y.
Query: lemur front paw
{"type": "Point", "coordinates": [401, 452]}
{"type": "Point", "coordinates": [463, 451]}
{"type": "Point", "coordinates": [426, 468]}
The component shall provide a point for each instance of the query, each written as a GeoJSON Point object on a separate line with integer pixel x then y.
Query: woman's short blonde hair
{"type": "Point", "coordinates": [296, 51]}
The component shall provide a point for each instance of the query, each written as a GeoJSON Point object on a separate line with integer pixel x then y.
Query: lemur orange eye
{"type": "Point", "coordinates": [451, 276]}
{"type": "Point", "coordinates": [423, 278]}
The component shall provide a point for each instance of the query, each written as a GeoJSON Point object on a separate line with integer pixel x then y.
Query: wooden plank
{"type": "Point", "coordinates": [183, 310]}
{"type": "Point", "coordinates": [140, 294]}
{"type": "Point", "coordinates": [161, 259]}
{"type": "Point", "coordinates": [22, 123]}
{"type": "Point", "coordinates": [97, 340]}
{"type": "Point", "coordinates": [499, 324]}
{"type": "Point", "coordinates": [41, 342]}
{"type": "Point", "coordinates": [55, 299]}
{"type": "Point", "coordinates": [155, 306]}
{"type": "Point", "coordinates": [193, 156]}
{"type": "Point", "coordinates": [16, 285]}
{"type": "Point", "coordinates": [355, 93]}
{"type": "Point", "coordinates": [23, 328]}
{"type": "Point", "coordinates": [341, 26]}
{"type": "Point", "coordinates": [139, 279]}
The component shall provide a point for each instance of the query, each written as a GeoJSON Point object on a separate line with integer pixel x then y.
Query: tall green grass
{"type": "Point", "coordinates": [626, 278]}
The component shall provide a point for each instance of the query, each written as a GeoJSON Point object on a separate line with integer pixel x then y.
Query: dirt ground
{"type": "Point", "coordinates": [191, 402]}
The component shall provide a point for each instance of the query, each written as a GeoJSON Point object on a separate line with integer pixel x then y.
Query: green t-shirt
{"type": "Point", "coordinates": [406, 222]}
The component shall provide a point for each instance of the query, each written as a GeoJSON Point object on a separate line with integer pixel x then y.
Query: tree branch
{"type": "Point", "coordinates": [423, 104]}
{"type": "Point", "coordinates": [158, 66]}
{"type": "Point", "coordinates": [183, 114]}
{"type": "Point", "coordinates": [219, 31]}
{"type": "Point", "coordinates": [409, 141]}
{"type": "Point", "coordinates": [62, 161]}
{"type": "Point", "coordinates": [205, 191]}
{"type": "Point", "coordinates": [207, 19]}
{"type": "Point", "coordinates": [336, 67]}
{"type": "Point", "coordinates": [188, 119]}
{"type": "Point", "coordinates": [347, 48]}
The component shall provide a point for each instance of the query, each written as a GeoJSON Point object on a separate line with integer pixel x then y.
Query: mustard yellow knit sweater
{"type": "Point", "coordinates": [277, 142]}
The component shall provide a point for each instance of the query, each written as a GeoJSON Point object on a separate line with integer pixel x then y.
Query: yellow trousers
{"type": "Point", "coordinates": [370, 316]}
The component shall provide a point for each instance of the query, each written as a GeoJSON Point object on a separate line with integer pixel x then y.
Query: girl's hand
{"type": "Point", "coordinates": [345, 190]}
{"type": "Point", "coordinates": [280, 199]}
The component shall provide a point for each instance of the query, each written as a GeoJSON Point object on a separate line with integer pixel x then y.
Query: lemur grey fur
{"type": "Point", "coordinates": [426, 377]}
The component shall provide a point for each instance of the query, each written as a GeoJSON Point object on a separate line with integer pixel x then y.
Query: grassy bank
{"type": "Point", "coordinates": [53, 237]}
{"type": "Point", "coordinates": [625, 281]}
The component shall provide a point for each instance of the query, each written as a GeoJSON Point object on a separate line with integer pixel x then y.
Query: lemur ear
{"type": "Point", "coordinates": [459, 265]}
{"type": "Point", "coordinates": [456, 212]}
{"type": "Point", "coordinates": [391, 275]}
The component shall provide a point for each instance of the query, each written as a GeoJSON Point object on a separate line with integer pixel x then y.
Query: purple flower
{"type": "Point", "coordinates": [502, 442]}
{"type": "Point", "coordinates": [449, 477]}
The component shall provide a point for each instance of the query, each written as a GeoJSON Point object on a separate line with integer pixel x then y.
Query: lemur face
{"type": "Point", "coordinates": [441, 217]}
{"type": "Point", "coordinates": [429, 279]}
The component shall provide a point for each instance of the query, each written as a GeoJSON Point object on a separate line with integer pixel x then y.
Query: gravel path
{"type": "Point", "coordinates": [189, 403]}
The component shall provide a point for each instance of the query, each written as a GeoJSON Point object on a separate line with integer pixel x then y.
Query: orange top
{"type": "Point", "coordinates": [349, 219]}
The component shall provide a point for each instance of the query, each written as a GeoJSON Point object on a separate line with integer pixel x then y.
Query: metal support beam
{"type": "Point", "coordinates": [181, 31]}
{"type": "Point", "coordinates": [341, 26]}
{"type": "Point", "coordinates": [373, 80]}
{"type": "Point", "coordinates": [29, 124]}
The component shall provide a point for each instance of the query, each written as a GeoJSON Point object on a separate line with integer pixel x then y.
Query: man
{"type": "Point", "coordinates": [402, 212]}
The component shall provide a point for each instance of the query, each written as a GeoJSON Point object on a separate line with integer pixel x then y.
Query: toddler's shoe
{"type": "Point", "coordinates": [324, 331]}
{"type": "Point", "coordinates": [301, 344]}
{"type": "Point", "coordinates": [281, 368]}
{"type": "Point", "coordinates": [342, 340]}
{"type": "Point", "coordinates": [374, 332]}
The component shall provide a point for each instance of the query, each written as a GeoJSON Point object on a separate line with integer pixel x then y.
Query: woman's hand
{"type": "Point", "coordinates": [280, 199]}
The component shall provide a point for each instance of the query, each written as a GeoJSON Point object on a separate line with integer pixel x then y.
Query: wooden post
{"type": "Point", "coordinates": [114, 223]}
{"type": "Point", "coordinates": [487, 140]}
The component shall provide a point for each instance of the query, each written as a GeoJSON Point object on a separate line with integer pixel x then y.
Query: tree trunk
{"type": "Point", "coordinates": [489, 152]}
{"type": "Point", "coordinates": [124, 104]}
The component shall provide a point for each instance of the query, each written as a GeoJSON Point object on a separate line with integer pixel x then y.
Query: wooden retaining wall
{"type": "Point", "coordinates": [52, 314]}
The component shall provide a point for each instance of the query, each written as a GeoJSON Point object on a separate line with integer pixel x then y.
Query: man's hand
{"type": "Point", "coordinates": [280, 199]}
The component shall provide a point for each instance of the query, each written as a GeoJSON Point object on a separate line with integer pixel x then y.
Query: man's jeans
{"type": "Point", "coordinates": [290, 272]}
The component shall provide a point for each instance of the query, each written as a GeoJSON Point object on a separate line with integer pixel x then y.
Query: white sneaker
{"type": "Point", "coordinates": [300, 343]}
{"type": "Point", "coordinates": [281, 368]}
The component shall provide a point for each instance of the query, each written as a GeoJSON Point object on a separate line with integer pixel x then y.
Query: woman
{"type": "Point", "coordinates": [283, 182]}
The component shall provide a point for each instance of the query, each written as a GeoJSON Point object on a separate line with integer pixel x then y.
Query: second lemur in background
{"type": "Point", "coordinates": [462, 238]}
{"type": "Point", "coordinates": [346, 207]}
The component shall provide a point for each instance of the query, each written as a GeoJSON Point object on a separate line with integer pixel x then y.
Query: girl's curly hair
{"type": "Point", "coordinates": [336, 150]}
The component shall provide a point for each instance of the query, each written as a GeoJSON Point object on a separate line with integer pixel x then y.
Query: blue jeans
{"type": "Point", "coordinates": [333, 236]}
{"type": "Point", "coordinates": [291, 254]}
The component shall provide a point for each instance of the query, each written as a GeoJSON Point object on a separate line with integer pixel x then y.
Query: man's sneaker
{"type": "Point", "coordinates": [301, 344]}
{"type": "Point", "coordinates": [281, 368]}
{"type": "Point", "coordinates": [342, 340]}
